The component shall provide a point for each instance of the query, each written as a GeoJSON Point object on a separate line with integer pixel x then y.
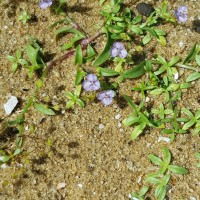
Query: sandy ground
{"type": "Point", "coordinates": [91, 152]}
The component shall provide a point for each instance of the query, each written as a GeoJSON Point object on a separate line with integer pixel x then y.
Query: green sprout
{"type": "Point", "coordinates": [165, 163]}
{"type": "Point", "coordinates": [24, 17]}
{"type": "Point", "coordinates": [175, 128]}
{"type": "Point", "coordinates": [139, 195]}
{"type": "Point", "coordinates": [17, 61]}
{"type": "Point", "coordinates": [192, 120]}
{"type": "Point", "coordinates": [74, 98]}
{"type": "Point", "coordinates": [139, 119]}
{"type": "Point", "coordinates": [160, 185]}
{"type": "Point", "coordinates": [198, 156]}
{"type": "Point", "coordinates": [160, 179]}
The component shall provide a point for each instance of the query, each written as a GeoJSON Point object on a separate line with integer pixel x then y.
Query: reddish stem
{"type": "Point", "coordinates": [83, 43]}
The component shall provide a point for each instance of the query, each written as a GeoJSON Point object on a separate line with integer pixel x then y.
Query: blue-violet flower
{"type": "Point", "coordinates": [181, 13]}
{"type": "Point", "coordinates": [45, 4]}
{"type": "Point", "coordinates": [106, 97]}
{"type": "Point", "coordinates": [91, 83]}
{"type": "Point", "coordinates": [118, 50]}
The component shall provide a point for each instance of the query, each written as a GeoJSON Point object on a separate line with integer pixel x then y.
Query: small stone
{"type": "Point", "coordinates": [60, 186]}
{"type": "Point", "coordinates": [10, 105]}
{"type": "Point", "coordinates": [193, 198]}
{"type": "Point", "coordinates": [147, 99]}
{"type": "Point", "coordinates": [119, 124]}
{"type": "Point", "coordinates": [180, 44]}
{"type": "Point", "coordinates": [139, 179]}
{"type": "Point", "coordinates": [144, 9]}
{"type": "Point", "coordinates": [165, 139]}
{"type": "Point", "coordinates": [80, 185]}
{"type": "Point", "coordinates": [5, 27]}
{"type": "Point", "coordinates": [27, 128]}
{"type": "Point", "coordinates": [176, 76]}
{"type": "Point", "coordinates": [4, 166]}
{"type": "Point", "coordinates": [117, 116]}
{"type": "Point", "coordinates": [101, 126]}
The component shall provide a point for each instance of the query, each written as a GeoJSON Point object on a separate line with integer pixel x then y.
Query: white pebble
{"type": "Point", "coordinates": [180, 44]}
{"type": "Point", "coordinates": [101, 126]}
{"type": "Point", "coordinates": [27, 128]}
{"type": "Point", "coordinates": [119, 124]}
{"type": "Point", "coordinates": [176, 76]}
{"type": "Point", "coordinates": [165, 139]}
{"type": "Point", "coordinates": [80, 185]}
{"type": "Point", "coordinates": [60, 186]}
{"type": "Point", "coordinates": [139, 179]}
{"type": "Point", "coordinates": [5, 27]}
{"type": "Point", "coordinates": [117, 116]}
{"type": "Point", "coordinates": [193, 198]}
{"type": "Point", "coordinates": [10, 105]}
{"type": "Point", "coordinates": [147, 99]}
{"type": "Point", "coordinates": [4, 166]}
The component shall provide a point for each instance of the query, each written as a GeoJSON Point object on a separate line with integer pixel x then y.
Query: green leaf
{"type": "Point", "coordinates": [173, 61]}
{"type": "Point", "coordinates": [193, 76]}
{"type": "Point", "coordinates": [191, 55]}
{"type": "Point", "coordinates": [146, 39]}
{"type": "Point", "coordinates": [135, 72]}
{"type": "Point", "coordinates": [80, 103]}
{"type": "Point", "coordinates": [177, 169]}
{"type": "Point", "coordinates": [152, 180]}
{"type": "Point", "coordinates": [32, 54]}
{"type": "Point", "coordinates": [71, 42]}
{"type": "Point", "coordinates": [105, 54]}
{"type": "Point", "coordinates": [130, 120]}
{"type": "Point", "coordinates": [108, 72]}
{"type": "Point", "coordinates": [69, 30]}
{"type": "Point", "coordinates": [79, 76]}
{"type": "Point", "coordinates": [154, 159]}
{"type": "Point", "coordinates": [162, 61]}
{"type": "Point", "coordinates": [160, 192]}
{"type": "Point", "coordinates": [70, 104]}
{"type": "Point", "coordinates": [197, 58]}
{"type": "Point", "coordinates": [6, 158]}
{"type": "Point", "coordinates": [136, 132]}
{"type": "Point", "coordinates": [43, 109]}
{"type": "Point", "coordinates": [17, 151]}
{"type": "Point", "coordinates": [143, 191]}
{"type": "Point", "coordinates": [167, 155]}
{"type": "Point", "coordinates": [78, 55]}
{"type": "Point", "coordinates": [189, 124]}
{"type": "Point", "coordinates": [78, 90]}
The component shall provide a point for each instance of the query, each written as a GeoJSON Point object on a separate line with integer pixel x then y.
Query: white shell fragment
{"type": "Point", "coordinates": [165, 139]}
{"type": "Point", "coordinates": [60, 186]}
{"type": "Point", "coordinates": [176, 76]}
{"type": "Point", "coordinates": [10, 105]}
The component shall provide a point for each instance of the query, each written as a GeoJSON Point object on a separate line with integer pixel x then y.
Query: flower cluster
{"type": "Point", "coordinates": [91, 83]}
{"type": "Point", "coordinates": [45, 4]}
{"type": "Point", "coordinates": [181, 13]}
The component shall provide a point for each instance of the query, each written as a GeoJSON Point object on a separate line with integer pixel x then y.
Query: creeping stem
{"type": "Point", "coordinates": [83, 43]}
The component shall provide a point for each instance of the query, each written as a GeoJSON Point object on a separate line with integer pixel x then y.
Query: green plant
{"type": "Point", "coordinates": [17, 60]}
{"type": "Point", "coordinates": [139, 195]}
{"type": "Point", "coordinates": [74, 98]}
{"type": "Point", "coordinates": [24, 17]}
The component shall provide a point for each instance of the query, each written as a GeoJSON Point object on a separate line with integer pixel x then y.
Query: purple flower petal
{"type": "Point", "coordinates": [110, 93]}
{"type": "Point", "coordinates": [45, 4]}
{"type": "Point", "coordinates": [87, 85]}
{"type": "Point", "coordinates": [91, 77]}
{"type": "Point", "coordinates": [106, 97]}
{"type": "Point", "coordinates": [123, 53]}
{"type": "Point", "coordinates": [101, 96]}
{"type": "Point", "coordinates": [181, 13]}
{"type": "Point", "coordinates": [118, 45]}
{"type": "Point", "coordinates": [107, 101]}
{"type": "Point", "coordinates": [114, 52]}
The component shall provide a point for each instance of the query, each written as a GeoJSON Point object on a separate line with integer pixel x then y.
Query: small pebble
{"type": "Point", "coordinates": [193, 198]}
{"type": "Point", "coordinates": [144, 9]}
{"type": "Point", "coordinates": [60, 186]}
{"type": "Point", "coordinates": [180, 44]}
{"type": "Point", "coordinates": [10, 105]}
{"type": "Point", "coordinates": [4, 166]}
{"type": "Point", "coordinates": [176, 76]}
{"type": "Point", "coordinates": [80, 185]}
{"type": "Point", "coordinates": [147, 99]}
{"type": "Point", "coordinates": [117, 116]}
{"type": "Point", "coordinates": [165, 139]}
{"type": "Point", "coordinates": [101, 126]}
